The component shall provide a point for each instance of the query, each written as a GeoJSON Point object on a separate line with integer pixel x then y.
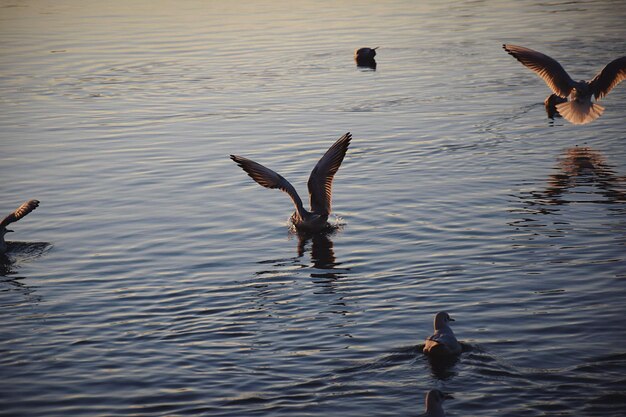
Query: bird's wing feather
{"type": "Point", "coordinates": [321, 179]}
{"type": "Point", "coordinates": [20, 212]}
{"type": "Point", "coordinates": [547, 68]}
{"type": "Point", "coordinates": [609, 77]}
{"type": "Point", "coordinates": [268, 178]}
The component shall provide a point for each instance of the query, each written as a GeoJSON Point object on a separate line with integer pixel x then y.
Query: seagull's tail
{"type": "Point", "coordinates": [580, 113]}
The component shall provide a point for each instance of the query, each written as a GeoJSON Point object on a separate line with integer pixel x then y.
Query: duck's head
{"type": "Point", "coordinates": [365, 53]}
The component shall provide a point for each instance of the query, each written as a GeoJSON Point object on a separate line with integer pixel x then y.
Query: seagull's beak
{"type": "Point", "coordinates": [7, 231]}
{"type": "Point", "coordinates": [447, 396]}
{"type": "Point", "coordinates": [451, 319]}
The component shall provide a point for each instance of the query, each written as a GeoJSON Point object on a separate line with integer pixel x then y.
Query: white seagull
{"type": "Point", "coordinates": [442, 342]}
{"type": "Point", "coordinates": [434, 403]}
{"type": "Point", "coordinates": [320, 185]}
{"type": "Point", "coordinates": [579, 109]}
{"type": "Point", "coordinates": [20, 212]}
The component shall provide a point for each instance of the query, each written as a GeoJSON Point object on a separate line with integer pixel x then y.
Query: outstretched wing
{"type": "Point", "coordinates": [21, 211]}
{"type": "Point", "coordinates": [547, 68]}
{"type": "Point", "coordinates": [611, 75]}
{"type": "Point", "coordinates": [268, 178]}
{"type": "Point", "coordinates": [321, 178]}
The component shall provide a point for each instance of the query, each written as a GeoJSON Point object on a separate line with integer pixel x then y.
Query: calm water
{"type": "Point", "coordinates": [157, 279]}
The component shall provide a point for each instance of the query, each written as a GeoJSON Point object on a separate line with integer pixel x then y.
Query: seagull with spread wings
{"type": "Point", "coordinates": [320, 185]}
{"type": "Point", "coordinates": [578, 109]}
{"type": "Point", "coordinates": [20, 212]}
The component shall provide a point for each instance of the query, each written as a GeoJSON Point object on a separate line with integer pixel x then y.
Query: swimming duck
{"type": "Point", "coordinates": [20, 212]}
{"type": "Point", "coordinates": [320, 185]}
{"type": "Point", "coordinates": [434, 403]}
{"type": "Point", "coordinates": [364, 57]}
{"type": "Point", "coordinates": [578, 109]}
{"type": "Point", "coordinates": [443, 342]}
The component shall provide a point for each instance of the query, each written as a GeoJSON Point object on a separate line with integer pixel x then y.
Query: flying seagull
{"type": "Point", "coordinates": [579, 109]}
{"type": "Point", "coordinates": [443, 342]}
{"type": "Point", "coordinates": [20, 212]}
{"type": "Point", "coordinates": [320, 185]}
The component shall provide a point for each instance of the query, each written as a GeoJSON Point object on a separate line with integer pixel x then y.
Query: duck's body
{"type": "Point", "coordinates": [20, 212]}
{"type": "Point", "coordinates": [577, 108]}
{"type": "Point", "coordinates": [364, 57]}
{"type": "Point", "coordinates": [320, 185]}
{"type": "Point", "coordinates": [443, 341]}
{"type": "Point", "coordinates": [434, 403]}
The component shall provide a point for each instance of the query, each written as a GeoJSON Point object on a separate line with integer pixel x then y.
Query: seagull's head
{"type": "Point", "coordinates": [582, 90]}
{"type": "Point", "coordinates": [442, 319]}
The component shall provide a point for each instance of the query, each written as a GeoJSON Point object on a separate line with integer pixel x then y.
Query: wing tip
{"type": "Point", "coordinates": [512, 50]}
{"type": "Point", "coordinates": [239, 160]}
{"type": "Point", "coordinates": [20, 212]}
{"type": "Point", "coordinates": [346, 138]}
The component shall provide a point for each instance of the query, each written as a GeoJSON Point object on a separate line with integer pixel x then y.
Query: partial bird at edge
{"type": "Point", "coordinates": [16, 215]}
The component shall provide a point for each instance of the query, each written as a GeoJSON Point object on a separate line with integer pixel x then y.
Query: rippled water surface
{"type": "Point", "coordinates": [157, 279]}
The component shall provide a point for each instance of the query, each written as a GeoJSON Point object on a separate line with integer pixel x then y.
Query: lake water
{"type": "Point", "coordinates": [157, 279]}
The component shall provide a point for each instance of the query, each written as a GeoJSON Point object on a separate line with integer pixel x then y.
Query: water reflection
{"type": "Point", "coordinates": [19, 253]}
{"type": "Point", "coordinates": [5, 265]}
{"type": "Point", "coordinates": [326, 267]}
{"type": "Point", "coordinates": [324, 270]}
{"type": "Point", "coordinates": [322, 253]}
{"type": "Point", "coordinates": [583, 166]}
{"type": "Point", "coordinates": [443, 367]}
{"type": "Point", "coordinates": [580, 167]}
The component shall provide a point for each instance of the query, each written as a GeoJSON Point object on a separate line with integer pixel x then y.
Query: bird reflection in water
{"type": "Point", "coordinates": [279, 275]}
{"type": "Point", "coordinates": [443, 367]}
{"type": "Point", "coordinates": [582, 176]}
{"type": "Point", "coordinates": [322, 253]}
{"type": "Point", "coordinates": [322, 256]}
{"type": "Point", "coordinates": [19, 253]}
{"type": "Point", "coordinates": [583, 166]}
{"type": "Point", "coordinates": [579, 167]}
{"type": "Point", "coordinates": [323, 259]}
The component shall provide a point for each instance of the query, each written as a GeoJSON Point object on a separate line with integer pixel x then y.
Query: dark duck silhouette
{"type": "Point", "coordinates": [320, 185]}
{"type": "Point", "coordinates": [364, 57]}
{"type": "Point", "coordinates": [20, 212]}
{"type": "Point", "coordinates": [578, 109]}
